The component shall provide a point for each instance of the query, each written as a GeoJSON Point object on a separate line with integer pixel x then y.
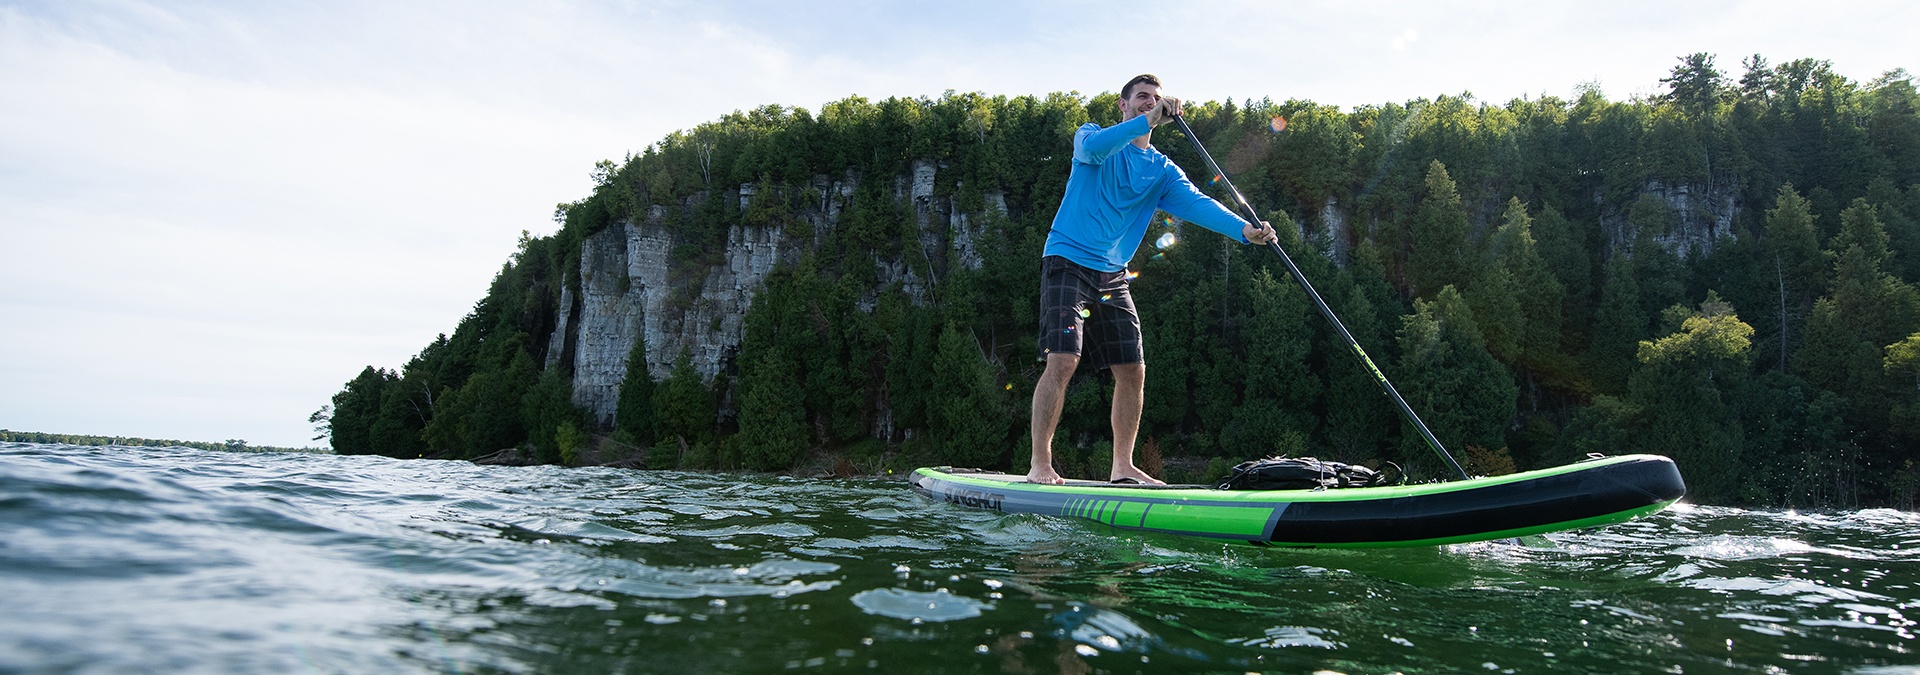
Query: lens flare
{"type": "Point", "coordinates": [1134, 275]}
{"type": "Point", "coordinates": [1278, 124]}
{"type": "Point", "coordinates": [1215, 181]}
{"type": "Point", "coordinates": [1084, 313]}
{"type": "Point", "coordinates": [1106, 296]}
{"type": "Point", "coordinates": [1166, 241]}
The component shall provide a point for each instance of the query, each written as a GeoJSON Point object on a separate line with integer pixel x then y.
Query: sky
{"type": "Point", "coordinates": [214, 214]}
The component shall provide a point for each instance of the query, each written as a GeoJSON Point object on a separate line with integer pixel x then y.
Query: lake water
{"type": "Point", "coordinates": [140, 559]}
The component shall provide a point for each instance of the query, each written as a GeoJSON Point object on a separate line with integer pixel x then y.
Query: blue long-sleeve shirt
{"type": "Point", "coordinates": [1112, 192]}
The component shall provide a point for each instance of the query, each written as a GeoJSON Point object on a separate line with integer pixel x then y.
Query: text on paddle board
{"type": "Point", "coordinates": [974, 498]}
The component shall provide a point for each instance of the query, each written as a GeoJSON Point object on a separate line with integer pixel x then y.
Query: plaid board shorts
{"type": "Point", "coordinates": [1088, 313]}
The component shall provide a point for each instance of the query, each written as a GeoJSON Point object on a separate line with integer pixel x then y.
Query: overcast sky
{"type": "Point", "coordinates": [214, 214]}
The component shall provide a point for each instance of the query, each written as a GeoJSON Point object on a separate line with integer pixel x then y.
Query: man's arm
{"type": "Point", "coordinates": [1188, 203]}
{"type": "Point", "coordinates": [1093, 147]}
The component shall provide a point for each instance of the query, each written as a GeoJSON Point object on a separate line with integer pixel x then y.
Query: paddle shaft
{"type": "Point", "coordinates": [1406, 411]}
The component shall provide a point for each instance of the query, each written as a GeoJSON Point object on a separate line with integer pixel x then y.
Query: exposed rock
{"type": "Point", "coordinates": [1705, 215]}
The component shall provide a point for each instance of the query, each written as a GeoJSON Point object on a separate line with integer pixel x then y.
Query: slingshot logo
{"type": "Point", "coordinates": [974, 498]}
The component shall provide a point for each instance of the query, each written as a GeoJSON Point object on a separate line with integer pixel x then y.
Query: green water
{"type": "Point", "coordinates": [125, 559]}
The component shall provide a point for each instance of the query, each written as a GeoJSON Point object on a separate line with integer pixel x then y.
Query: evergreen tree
{"type": "Point", "coordinates": [1448, 377]}
{"type": "Point", "coordinates": [1360, 417]}
{"type": "Point", "coordinates": [1277, 403]}
{"type": "Point", "coordinates": [634, 414]}
{"type": "Point", "coordinates": [1800, 270]}
{"type": "Point", "coordinates": [683, 407]}
{"type": "Point", "coordinates": [968, 410]}
{"type": "Point", "coordinates": [403, 414]}
{"type": "Point", "coordinates": [1619, 325]}
{"type": "Point", "coordinates": [773, 419]}
{"type": "Point", "coordinates": [545, 410]}
{"type": "Point", "coordinates": [1538, 295]}
{"type": "Point", "coordinates": [356, 408]}
{"type": "Point", "coordinates": [1565, 253]}
{"type": "Point", "coordinates": [1695, 84]}
{"type": "Point", "coordinates": [1438, 236]}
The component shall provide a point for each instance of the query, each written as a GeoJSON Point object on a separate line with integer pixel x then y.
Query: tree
{"type": "Point", "coordinates": [1683, 386]}
{"type": "Point", "coordinates": [634, 414]}
{"type": "Point", "coordinates": [356, 408]}
{"type": "Point", "coordinates": [1438, 236]}
{"type": "Point", "coordinates": [773, 418]}
{"type": "Point", "coordinates": [1619, 325]}
{"type": "Point", "coordinates": [968, 410]}
{"type": "Point", "coordinates": [1277, 402]}
{"type": "Point", "coordinates": [1451, 381]}
{"type": "Point", "coordinates": [1695, 85]}
{"type": "Point", "coordinates": [684, 408]}
{"type": "Point", "coordinates": [1800, 269]}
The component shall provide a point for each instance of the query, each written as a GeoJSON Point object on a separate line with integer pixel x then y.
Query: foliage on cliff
{"type": "Point", "coordinates": [1520, 270]}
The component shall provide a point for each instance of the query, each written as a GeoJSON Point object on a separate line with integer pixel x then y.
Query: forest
{"type": "Point", "coordinates": [1723, 274]}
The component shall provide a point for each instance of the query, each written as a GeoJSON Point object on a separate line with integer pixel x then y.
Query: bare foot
{"type": "Point", "coordinates": [1136, 474]}
{"type": "Point", "coordinates": [1045, 476]}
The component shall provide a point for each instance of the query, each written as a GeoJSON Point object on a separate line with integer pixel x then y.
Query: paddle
{"type": "Point", "coordinates": [1405, 410]}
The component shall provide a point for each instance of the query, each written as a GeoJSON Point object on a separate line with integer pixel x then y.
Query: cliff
{"type": "Point", "coordinates": [631, 288]}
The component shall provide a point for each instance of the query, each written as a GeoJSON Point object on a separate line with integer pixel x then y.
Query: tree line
{"type": "Point", "coordinates": [1524, 273]}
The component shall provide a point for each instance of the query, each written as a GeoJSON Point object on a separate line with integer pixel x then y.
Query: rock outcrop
{"type": "Point", "coordinates": [631, 288]}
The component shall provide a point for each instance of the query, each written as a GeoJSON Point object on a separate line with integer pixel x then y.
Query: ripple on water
{"type": "Point", "coordinates": [936, 606]}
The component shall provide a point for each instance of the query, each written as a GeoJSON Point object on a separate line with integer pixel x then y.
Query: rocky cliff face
{"type": "Point", "coordinates": [1704, 216]}
{"type": "Point", "coordinates": [631, 289]}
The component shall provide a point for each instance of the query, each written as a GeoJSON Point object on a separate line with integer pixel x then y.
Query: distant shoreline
{"type": "Point", "coordinates": [234, 445]}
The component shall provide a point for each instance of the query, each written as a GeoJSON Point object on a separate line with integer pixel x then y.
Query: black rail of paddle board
{"type": "Point", "coordinates": [1549, 499]}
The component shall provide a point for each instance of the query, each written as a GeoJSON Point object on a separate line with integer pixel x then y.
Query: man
{"type": "Point", "coordinates": [1117, 182]}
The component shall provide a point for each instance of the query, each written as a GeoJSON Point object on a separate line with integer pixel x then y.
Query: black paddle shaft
{"type": "Point", "coordinates": [1405, 410]}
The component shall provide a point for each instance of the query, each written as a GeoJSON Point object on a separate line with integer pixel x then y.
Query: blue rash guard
{"type": "Point", "coordinates": [1112, 192]}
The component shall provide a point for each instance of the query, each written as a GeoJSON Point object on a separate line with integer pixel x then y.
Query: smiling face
{"type": "Point", "coordinates": [1138, 99]}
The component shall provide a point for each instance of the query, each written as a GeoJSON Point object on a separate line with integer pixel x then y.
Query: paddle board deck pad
{"type": "Point", "coordinates": [1586, 494]}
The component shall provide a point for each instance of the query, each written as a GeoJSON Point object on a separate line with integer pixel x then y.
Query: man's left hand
{"type": "Point", "coordinates": [1259, 234]}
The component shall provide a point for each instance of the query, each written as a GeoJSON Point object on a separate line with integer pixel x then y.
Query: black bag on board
{"type": "Point", "coordinates": [1298, 473]}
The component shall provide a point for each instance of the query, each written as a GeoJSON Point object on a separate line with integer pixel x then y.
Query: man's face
{"type": "Point", "coordinates": [1143, 98]}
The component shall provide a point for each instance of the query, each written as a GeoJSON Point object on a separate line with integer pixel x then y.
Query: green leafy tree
{"type": "Point", "coordinates": [1683, 387]}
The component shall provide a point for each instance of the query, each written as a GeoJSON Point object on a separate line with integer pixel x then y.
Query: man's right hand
{"type": "Point", "coordinates": [1168, 109]}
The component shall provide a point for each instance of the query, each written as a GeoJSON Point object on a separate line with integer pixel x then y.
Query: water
{"type": "Point", "coordinates": [125, 559]}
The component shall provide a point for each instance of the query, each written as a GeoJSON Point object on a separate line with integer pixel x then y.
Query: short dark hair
{"type": "Point", "coordinates": [1126, 92]}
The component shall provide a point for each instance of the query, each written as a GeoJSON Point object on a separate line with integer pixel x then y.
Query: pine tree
{"type": "Point", "coordinates": [634, 414]}
{"type": "Point", "coordinates": [683, 407]}
{"type": "Point", "coordinates": [1799, 268]}
{"type": "Point", "coordinates": [1360, 416]}
{"type": "Point", "coordinates": [1619, 325]}
{"type": "Point", "coordinates": [1451, 381]}
{"type": "Point", "coordinates": [1438, 236]}
{"type": "Point", "coordinates": [1277, 402]}
{"type": "Point", "coordinates": [969, 412]}
{"type": "Point", "coordinates": [773, 419]}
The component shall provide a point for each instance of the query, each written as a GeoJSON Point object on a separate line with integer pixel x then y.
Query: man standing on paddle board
{"type": "Point", "coordinates": [1117, 183]}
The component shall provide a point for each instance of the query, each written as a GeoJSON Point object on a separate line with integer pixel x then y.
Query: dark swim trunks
{"type": "Point", "coordinates": [1088, 313]}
